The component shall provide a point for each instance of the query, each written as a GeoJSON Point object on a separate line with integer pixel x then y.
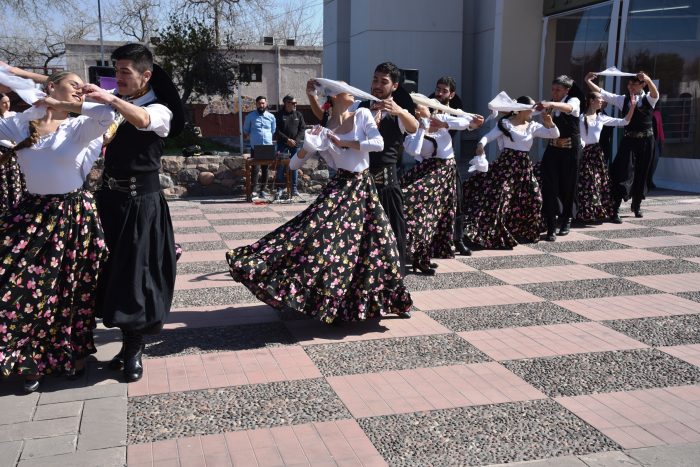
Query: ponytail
{"type": "Point", "coordinates": [502, 127]}
{"type": "Point", "coordinates": [30, 140]}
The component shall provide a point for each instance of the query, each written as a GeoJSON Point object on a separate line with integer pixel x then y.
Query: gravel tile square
{"type": "Point", "coordinates": [504, 316]}
{"type": "Point", "coordinates": [449, 280]}
{"type": "Point", "coordinates": [203, 246]}
{"type": "Point", "coordinates": [218, 209]}
{"type": "Point", "coordinates": [694, 296]}
{"type": "Point", "coordinates": [481, 435]}
{"type": "Point", "coordinates": [189, 230]}
{"type": "Point", "coordinates": [247, 221]}
{"type": "Point", "coordinates": [664, 330]}
{"type": "Point", "coordinates": [513, 262]}
{"type": "Point", "coordinates": [589, 373]}
{"type": "Point", "coordinates": [591, 288]}
{"type": "Point", "coordinates": [585, 245]}
{"type": "Point", "coordinates": [217, 339]}
{"type": "Point", "coordinates": [193, 413]}
{"type": "Point", "coordinates": [252, 236]}
{"type": "Point", "coordinates": [685, 251]}
{"type": "Point", "coordinates": [695, 213]}
{"type": "Point", "coordinates": [187, 217]}
{"type": "Point", "coordinates": [212, 296]}
{"type": "Point", "coordinates": [203, 267]}
{"type": "Point", "coordinates": [627, 233]}
{"type": "Point", "coordinates": [667, 222]}
{"type": "Point", "coordinates": [400, 353]}
{"type": "Point", "coordinates": [648, 268]}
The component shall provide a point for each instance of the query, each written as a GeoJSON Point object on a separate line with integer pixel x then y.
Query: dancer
{"type": "Point", "coordinates": [53, 244]}
{"type": "Point", "coordinates": [338, 260]}
{"type": "Point", "coordinates": [503, 206]}
{"type": "Point", "coordinates": [630, 168]}
{"type": "Point", "coordinates": [12, 185]}
{"type": "Point", "coordinates": [561, 158]}
{"type": "Point", "coordinates": [430, 188]}
{"type": "Point", "coordinates": [594, 193]}
{"type": "Point", "coordinates": [135, 290]}
{"type": "Point", "coordinates": [393, 122]}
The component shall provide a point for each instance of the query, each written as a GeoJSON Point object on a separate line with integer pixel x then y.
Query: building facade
{"type": "Point", "coordinates": [519, 46]}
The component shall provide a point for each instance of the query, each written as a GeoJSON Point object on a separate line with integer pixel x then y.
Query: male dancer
{"type": "Point", "coordinates": [629, 171]}
{"type": "Point", "coordinates": [393, 122]}
{"type": "Point", "coordinates": [135, 288]}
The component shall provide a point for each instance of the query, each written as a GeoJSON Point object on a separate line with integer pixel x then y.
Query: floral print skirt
{"type": "Point", "coordinates": [430, 203]}
{"type": "Point", "coordinates": [595, 201]}
{"type": "Point", "coordinates": [337, 260]}
{"type": "Point", "coordinates": [504, 205]}
{"type": "Point", "coordinates": [12, 186]}
{"type": "Point", "coordinates": [52, 249]}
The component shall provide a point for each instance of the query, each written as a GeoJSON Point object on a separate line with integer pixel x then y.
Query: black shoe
{"type": "Point", "coordinates": [550, 237]}
{"type": "Point", "coordinates": [423, 267]}
{"type": "Point", "coordinates": [405, 314]}
{"type": "Point", "coordinates": [434, 265]}
{"type": "Point", "coordinates": [565, 228]}
{"type": "Point", "coordinates": [637, 210]}
{"type": "Point", "coordinates": [462, 249]}
{"type": "Point", "coordinates": [615, 218]}
{"type": "Point", "coordinates": [77, 374]}
{"type": "Point", "coordinates": [31, 385]}
{"type": "Point", "coordinates": [133, 351]}
{"type": "Point", "coordinates": [117, 362]}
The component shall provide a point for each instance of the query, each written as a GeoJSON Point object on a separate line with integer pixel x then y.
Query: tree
{"type": "Point", "coordinates": [188, 51]}
{"type": "Point", "coordinates": [135, 19]}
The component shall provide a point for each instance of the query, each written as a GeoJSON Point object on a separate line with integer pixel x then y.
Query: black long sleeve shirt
{"type": "Point", "coordinates": [290, 125]}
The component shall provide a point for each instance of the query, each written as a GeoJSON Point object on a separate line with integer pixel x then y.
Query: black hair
{"type": "Point", "coordinates": [390, 69]}
{"type": "Point", "coordinates": [563, 80]}
{"type": "Point", "coordinates": [519, 100]}
{"type": "Point", "coordinates": [137, 53]}
{"type": "Point", "coordinates": [288, 98]}
{"type": "Point", "coordinates": [589, 96]}
{"type": "Point", "coordinates": [259, 98]}
{"type": "Point", "coordinates": [634, 78]}
{"type": "Point", "coordinates": [448, 81]}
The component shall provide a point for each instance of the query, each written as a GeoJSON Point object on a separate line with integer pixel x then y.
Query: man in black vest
{"type": "Point", "coordinates": [629, 171]}
{"type": "Point", "coordinates": [393, 122]}
{"type": "Point", "coordinates": [135, 288]}
{"type": "Point", "coordinates": [561, 158]}
{"type": "Point", "coordinates": [290, 133]}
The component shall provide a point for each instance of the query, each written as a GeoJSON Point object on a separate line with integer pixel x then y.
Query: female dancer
{"type": "Point", "coordinates": [337, 260]}
{"type": "Point", "coordinates": [11, 180]}
{"type": "Point", "coordinates": [53, 243]}
{"type": "Point", "coordinates": [504, 205]}
{"type": "Point", "coordinates": [595, 203]}
{"type": "Point", "coordinates": [429, 188]}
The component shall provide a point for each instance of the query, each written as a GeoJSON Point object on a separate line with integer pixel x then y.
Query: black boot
{"type": "Point", "coordinates": [31, 385]}
{"type": "Point", "coordinates": [551, 228]}
{"type": "Point", "coordinates": [637, 209]}
{"type": "Point", "coordinates": [565, 227]}
{"type": "Point", "coordinates": [117, 362]}
{"type": "Point", "coordinates": [615, 218]}
{"type": "Point", "coordinates": [133, 351]}
{"type": "Point", "coordinates": [462, 249]}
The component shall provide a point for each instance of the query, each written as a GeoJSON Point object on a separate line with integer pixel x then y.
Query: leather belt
{"type": "Point", "coordinates": [639, 134]}
{"type": "Point", "coordinates": [135, 185]}
{"type": "Point", "coordinates": [564, 143]}
{"type": "Point", "coordinates": [384, 176]}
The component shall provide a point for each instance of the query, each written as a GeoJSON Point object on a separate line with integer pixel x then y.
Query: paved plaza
{"type": "Point", "coordinates": [581, 352]}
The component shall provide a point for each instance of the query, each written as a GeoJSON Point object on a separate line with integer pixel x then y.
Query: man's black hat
{"type": "Point", "coordinates": [166, 92]}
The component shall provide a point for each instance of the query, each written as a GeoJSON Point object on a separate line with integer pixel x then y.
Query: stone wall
{"type": "Point", "coordinates": [218, 175]}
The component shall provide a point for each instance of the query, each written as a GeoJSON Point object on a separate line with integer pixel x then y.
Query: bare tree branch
{"type": "Point", "coordinates": [135, 19]}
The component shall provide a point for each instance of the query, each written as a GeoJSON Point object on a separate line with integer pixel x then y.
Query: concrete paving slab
{"type": "Point", "coordinates": [680, 455]}
{"type": "Point", "coordinates": [9, 453]}
{"type": "Point", "coordinates": [60, 410]}
{"type": "Point", "coordinates": [112, 457]}
{"type": "Point", "coordinates": [103, 424]}
{"type": "Point", "coordinates": [46, 447]}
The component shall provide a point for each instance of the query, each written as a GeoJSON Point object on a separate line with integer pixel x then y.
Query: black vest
{"type": "Point", "coordinates": [393, 141]}
{"type": "Point", "coordinates": [133, 151]}
{"type": "Point", "coordinates": [641, 118]}
{"type": "Point", "coordinates": [568, 124]}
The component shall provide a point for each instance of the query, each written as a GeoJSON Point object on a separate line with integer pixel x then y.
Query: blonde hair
{"type": "Point", "coordinates": [33, 137]}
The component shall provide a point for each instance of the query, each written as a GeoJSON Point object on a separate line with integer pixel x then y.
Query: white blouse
{"type": "Point", "coordinates": [6, 142]}
{"type": "Point", "coordinates": [619, 100]}
{"type": "Point", "coordinates": [416, 146]}
{"type": "Point", "coordinates": [364, 130]}
{"type": "Point", "coordinates": [59, 162]}
{"type": "Point", "coordinates": [592, 135]}
{"type": "Point", "coordinates": [522, 139]}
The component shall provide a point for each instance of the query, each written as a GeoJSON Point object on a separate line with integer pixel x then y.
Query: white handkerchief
{"type": "Point", "coordinates": [319, 142]}
{"type": "Point", "coordinates": [613, 71]}
{"type": "Point", "coordinates": [330, 87]}
{"type": "Point", "coordinates": [479, 163]}
{"type": "Point", "coordinates": [26, 89]}
{"type": "Point", "coordinates": [503, 103]}
{"type": "Point", "coordinates": [435, 104]}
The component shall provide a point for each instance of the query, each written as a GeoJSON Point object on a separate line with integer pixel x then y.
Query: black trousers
{"type": "Point", "coordinates": [255, 175]}
{"type": "Point", "coordinates": [391, 199]}
{"type": "Point", "coordinates": [629, 171]}
{"type": "Point", "coordinates": [559, 180]}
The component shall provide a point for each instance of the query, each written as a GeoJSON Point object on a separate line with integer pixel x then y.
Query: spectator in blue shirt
{"type": "Point", "coordinates": [258, 128]}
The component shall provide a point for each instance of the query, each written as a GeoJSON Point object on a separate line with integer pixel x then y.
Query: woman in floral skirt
{"type": "Point", "coordinates": [430, 198]}
{"type": "Point", "coordinates": [12, 185]}
{"type": "Point", "coordinates": [595, 203]}
{"type": "Point", "coordinates": [503, 206]}
{"type": "Point", "coordinates": [52, 241]}
{"type": "Point", "coordinates": [337, 260]}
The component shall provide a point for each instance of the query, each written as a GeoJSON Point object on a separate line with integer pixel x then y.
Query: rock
{"type": "Point", "coordinates": [320, 175]}
{"type": "Point", "coordinates": [203, 160]}
{"type": "Point", "coordinates": [188, 175]}
{"type": "Point", "coordinates": [175, 191]}
{"type": "Point", "coordinates": [172, 164]}
{"type": "Point", "coordinates": [165, 181]}
{"type": "Point", "coordinates": [203, 167]}
{"type": "Point", "coordinates": [206, 178]}
{"type": "Point", "coordinates": [234, 163]}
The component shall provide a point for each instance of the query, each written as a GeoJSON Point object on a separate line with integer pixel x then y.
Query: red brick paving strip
{"type": "Point", "coordinates": [630, 307]}
{"type": "Point", "coordinates": [689, 353]}
{"type": "Point", "coordinates": [658, 242]}
{"type": "Point", "coordinates": [574, 272]}
{"type": "Point", "coordinates": [672, 283]}
{"type": "Point", "coordinates": [611, 256]}
{"type": "Point", "coordinates": [471, 297]}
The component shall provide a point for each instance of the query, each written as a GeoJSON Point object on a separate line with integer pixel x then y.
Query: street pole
{"type": "Point", "coordinates": [102, 45]}
{"type": "Point", "coordinates": [240, 117]}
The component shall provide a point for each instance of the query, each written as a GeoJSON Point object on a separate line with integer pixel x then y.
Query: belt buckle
{"type": "Point", "coordinates": [112, 183]}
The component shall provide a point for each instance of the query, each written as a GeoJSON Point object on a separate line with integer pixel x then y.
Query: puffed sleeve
{"type": "Point", "coordinates": [160, 117]}
{"type": "Point", "coordinates": [413, 143]}
{"type": "Point", "coordinates": [11, 129]}
{"type": "Point", "coordinates": [296, 163]}
{"type": "Point", "coordinates": [495, 133]}
{"type": "Point", "coordinates": [610, 121]}
{"type": "Point", "coordinates": [456, 122]}
{"type": "Point", "coordinates": [373, 141]}
{"type": "Point", "coordinates": [93, 122]}
{"type": "Point", "coordinates": [541, 131]}
{"type": "Point", "coordinates": [614, 99]}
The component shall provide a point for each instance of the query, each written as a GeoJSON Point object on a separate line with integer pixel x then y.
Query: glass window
{"type": "Point", "coordinates": [663, 39]}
